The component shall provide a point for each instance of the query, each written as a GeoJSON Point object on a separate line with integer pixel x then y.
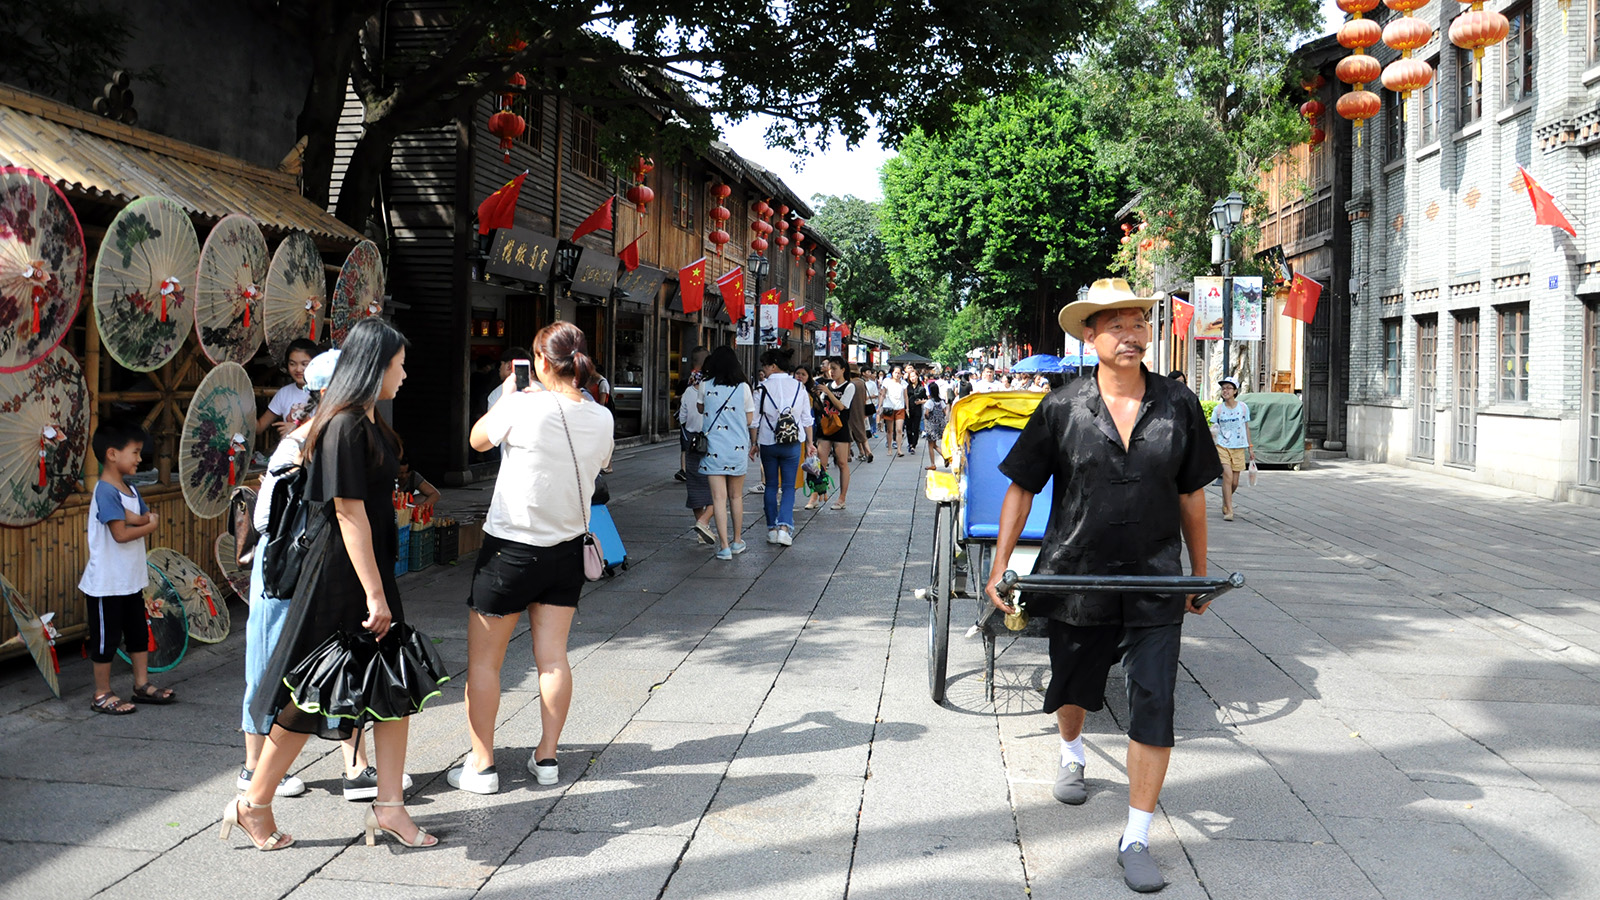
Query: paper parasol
{"type": "Point", "coordinates": [36, 634]}
{"type": "Point", "coordinates": [218, 432]}
{"type": "Point", "coordinates": [232, 279]}
{"type": "Point", "coordinates": [237, 576]}
{"type": "Point", "coordinates": [44, 430]}
{"type": "Point", "coordinates": [203, 605]}
{"type": "Point", "coordinates": [297, 293]}
{"type": "Point", "coordinates": [144, 283]}
{"type": "Point", "coordinates": [168, 633]}
{"type": "Point", "coordinates": [359, 291]}
{"type": "Point", "coordinates": [41, 267]}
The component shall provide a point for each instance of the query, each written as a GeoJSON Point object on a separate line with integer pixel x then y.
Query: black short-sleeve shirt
{"type": "Point", "coordinates": [355, 460]}
{"type": "Point", "coordinates": [1115, 511]}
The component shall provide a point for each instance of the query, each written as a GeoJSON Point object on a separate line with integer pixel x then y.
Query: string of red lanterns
{"type": "Point", "coordinates": [720, 215]}
{"type": "Point", "coordinates": [1477, 29]}
{"type": "Point", "coordinates": [505, 124]}
{"type": "Point", "coordinates": [761, 227]}
{"type": "Point", "coordinates": [1358, 69]}
{"type": "Point", "coordinates": [1406, 34]}
{"type": "Point", "coordinates": [640, 194]}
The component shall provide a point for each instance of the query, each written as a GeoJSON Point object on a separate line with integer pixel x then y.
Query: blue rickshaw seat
{"type": "Point", "coordinates": [985, 488]}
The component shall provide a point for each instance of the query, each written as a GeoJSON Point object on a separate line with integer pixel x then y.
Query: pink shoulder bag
{"type": "Point", "coordinates": [594, 562]}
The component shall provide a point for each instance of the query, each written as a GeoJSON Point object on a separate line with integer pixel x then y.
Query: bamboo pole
{"type": "Point", "coordinates": [91, 375]}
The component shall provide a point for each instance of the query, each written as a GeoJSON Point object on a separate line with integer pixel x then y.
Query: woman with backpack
{"type": "Point", "coordinates": [783, 434]}
{"type": "Point", "coordinates": [729, 409]}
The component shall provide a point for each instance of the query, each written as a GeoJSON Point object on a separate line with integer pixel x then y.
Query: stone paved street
{"type": "Point", "coordinates": [1403, 703]}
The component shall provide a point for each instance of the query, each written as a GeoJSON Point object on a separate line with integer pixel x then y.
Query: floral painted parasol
{"type": "Point", "coordinates": [359, 291]}
{"type": "Point", "coordinates": [44, 431]}
{"type": "Point", "coordinates": [297, 294]}
{"type": "Point", "coordinates": [237, 576]}
{"type": "Point", "coordinates": [232, 278]}
{"type": "Point", "coordinates": [36, 633]}
{"type": "Point", "coordinates": [218, 433]}
{"type": "Point", "coordinates": [144, 283]}
{"type": "Point", "coordinates": [41, 267]}
{"type": "Point", "coordinates": [167, 630]}
{"type": "Point", "coordinates": [205, 607]}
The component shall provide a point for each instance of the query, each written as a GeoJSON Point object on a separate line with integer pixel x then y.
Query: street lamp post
{"type": "Point", "coordinates": [1226, 214]}
{"type": "Point", "coordinates": [757, 266]}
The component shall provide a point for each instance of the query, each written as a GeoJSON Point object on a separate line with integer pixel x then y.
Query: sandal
{"type": "Point", "coordinates": [277, 840]}
{"type": "Point", "coordinates": [837, 506]}
{"type": "Point", "coordinates": [149, 693]}
{"type": "Point", "coordinates": [112, 705]}
{"type": "Point", "coordinates": [422, 840]}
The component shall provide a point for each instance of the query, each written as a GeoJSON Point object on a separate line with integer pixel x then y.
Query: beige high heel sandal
{"type": "Point", "coordinates": [424, 839]}
{"type": "Point", "coordinates": [277, 840]}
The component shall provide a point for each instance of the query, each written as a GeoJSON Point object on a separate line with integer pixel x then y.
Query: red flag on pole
{"type": "Point", "coordinates": [598, 220]}
{"type": "Point", "coordinates": [1545, 211]}
{"type": "Point", "coordinates": [808, 317]}
{"type": "Point", "coordinates": [1182, 316]}
{"type": "Point", "coordinates": [630, 254]}
{"type": "Point", "coordinates": [1302, 302]}
{"type": "Point", "coordinates": [499, 209]}
{"type": "Point", "coordinates": [692, 285]}
{"type": "Point", "coordinates": [732, 287]}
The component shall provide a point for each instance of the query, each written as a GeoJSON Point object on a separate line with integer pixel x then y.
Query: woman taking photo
{"type": "Point", "coordinates": [833, 426]}
{"type": "Point", "coordinates": [730, 415]}
{"type": "Point", "coordinates": [532, 556]}
{"type": "Point", "coordinates": [346, 590]}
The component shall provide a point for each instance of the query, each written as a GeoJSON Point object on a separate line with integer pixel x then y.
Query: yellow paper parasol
{"type": "Point", "coordinates": [359, 291]}
{"type": "Point", "coordinates": [232, 279]}
{"type": "Point", "coordinates": [205, 608]}
{"type": "Point", "coordinates": [144, 283]}
{"type": "Point", "coordinates": [37, 634]}
{"type": "Point", "coordinates": [41, 267]}
{"type": "Point", "coordinates": [297, 294]}
{"type": "Point", "coordinates": [44, 430]}
{"type": "Point", "coordinates": [218, 432]}
{"type": "Point", "coordinates": [237, 576]}
{"type": "Point", "coordinates": [166, 629]}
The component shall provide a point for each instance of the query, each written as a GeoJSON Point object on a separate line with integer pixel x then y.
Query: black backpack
{"type": "Point", "coordinates": [785, 430]}
{"type": "Point", "coordinates": [293, 524]}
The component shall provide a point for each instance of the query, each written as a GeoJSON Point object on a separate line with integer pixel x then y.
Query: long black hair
{"type": "Point", "coordinates": [358, 379]}
{"type": "Point", "coordinates": [722, 367]}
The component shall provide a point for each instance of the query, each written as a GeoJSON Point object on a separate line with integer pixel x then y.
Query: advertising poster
{"type": "Point", "coordinates": [1208, 308]}
{"type": "Point", "coordinates": [836, 343]}
{"type": "Point", "coordinates": [1246, 308]}
{"type": "Point", "coordinates": [746, 335]}
{"type": "Point", "coordinates": [820, 344]}
{"type": "Point", "coordinates": [769, 323]}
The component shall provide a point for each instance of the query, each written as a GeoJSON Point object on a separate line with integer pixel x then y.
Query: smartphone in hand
{"type": "Point", "coordinates": [521, 372]}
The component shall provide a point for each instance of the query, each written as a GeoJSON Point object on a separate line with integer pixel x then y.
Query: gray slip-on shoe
{"type": "Point", "coordinates": [1069, 785]}
{"type": "Point", "coordinates": [1139, 871]}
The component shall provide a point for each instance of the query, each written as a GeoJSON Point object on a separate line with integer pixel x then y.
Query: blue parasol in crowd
{"type": "Point", "coordinates": [1074, 361]}
{"type": "Point", "coordinates": [1039, 362]}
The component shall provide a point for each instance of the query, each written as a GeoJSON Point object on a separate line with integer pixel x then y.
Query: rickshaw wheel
{"type": "Point", "coordinates": [939, 602]}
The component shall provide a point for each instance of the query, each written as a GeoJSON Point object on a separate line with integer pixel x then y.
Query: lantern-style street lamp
{"type": "Point", "coordinates": [1226, 214]}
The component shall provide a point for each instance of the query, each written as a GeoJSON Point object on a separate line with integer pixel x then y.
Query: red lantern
{"type": "Point", "coordinates": [640, 196]}
{"type": "Point", "coordinates": [761, 209]}
{"type": "Point", "coordinates": [1359, 34]}
{"type": "Point", "coordinates": [1406, 6]}
{"type": "Point", "coordinates": [1358, 70]}
{"type": "Point", "coordinates": [832, 285]}
{"type": "Point", "coordinates": [811, 273]}
{"type": "Point", "coordinates": [1407, 34]}
{"type": "Point", "coordinates": [507, 126]}
{"type": "Point", "coordinates": [719, 237]}
{"type": "Point", "coordinates": [1406, 75]}
{"type": "Point", "coordinates": [1478, 29]}
{"type": "Point", "coordinates": [515, 81]}
{"type": "Point", "coordinates": [1317, 136]}
{"type": "Point", "coordinates": [722, 191]}
{"type": "Point", "coordinates": [1357, 7]}
{"type": "Point", "coordinates": [1313, 84]}
{"type": "Point", "coordinates": [1312, 110]}
{"type": "Point", "coordinates": [759, 245]}
{"type": "Point", "coordinates": [1358, 106]}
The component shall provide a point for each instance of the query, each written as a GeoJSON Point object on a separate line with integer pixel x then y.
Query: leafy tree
{"type": "Point", "coordinates": [658, 71]}
{"type": "Point", "coordinates": [1011, 211]}
{"type": "Point", "coordinates": [66, 47]}
{"type": "Point", "coordinates": [971, 326]}
{"type": "Point", "coordinates": [868, 292]}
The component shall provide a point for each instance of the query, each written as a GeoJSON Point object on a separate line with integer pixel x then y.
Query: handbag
{"type": "Point", "coordinates": [1251, 471]}
{"type": "Point", "coordinates": [241, 511]}
{"type": "Point", "coordinates": [697, 440]}
{"type": "Point", "coordinates": [594, 562]}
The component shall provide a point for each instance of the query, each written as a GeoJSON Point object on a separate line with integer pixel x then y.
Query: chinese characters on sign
{"type": "Point", "coordinates": [595, 275]}
{"type": "Point", "coordinates": [1208, 308]}
{"type": "Point", "coordinates": [1246, 308]}
{"type": "Point", "coordinates": [521, 254]}
{"type": "Point", "coordinates": [640, 285]}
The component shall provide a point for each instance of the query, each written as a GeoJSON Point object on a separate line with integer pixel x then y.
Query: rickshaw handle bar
{"type": "Point", "coordinates": [1208, 588]}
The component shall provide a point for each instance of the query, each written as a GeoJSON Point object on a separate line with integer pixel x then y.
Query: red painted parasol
{"type": "Point", "coordinates": [359, 291]}
{"type": "Point", "coordinates": [41, 267]}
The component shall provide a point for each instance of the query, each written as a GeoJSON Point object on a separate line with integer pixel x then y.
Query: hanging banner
{"type": "Point", "coordinates": [819, 344]}
{"type": "Point", "coordinates": [1208, 308]}
{"type": "Point", "coordinates": [769, 324]}
{"type": "Point", "coordinates": [746, 334]}
{"type": "Point", "coordinates": [1246, 308]}
{"type": "Point", "coordinates": [835, 343]}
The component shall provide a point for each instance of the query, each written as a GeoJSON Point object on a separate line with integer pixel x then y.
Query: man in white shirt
{"type": "Point", "coordinates": [987, 384]}
{"type": "Point", "coordinates": [778, 395]}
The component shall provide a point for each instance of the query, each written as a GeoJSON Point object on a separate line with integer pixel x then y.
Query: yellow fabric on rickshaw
{"type": "Point", "coordinates": [975, 412]}
{"type": "Point", "coordinates": [942, 487]}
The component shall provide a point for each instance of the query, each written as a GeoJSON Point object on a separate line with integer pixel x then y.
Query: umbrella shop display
{"type": "Point", "coordinates": [359, 291]}
{"type": "Point", "coordinates": [36, 633]}
{"type": "Point", "coordinates": [218, 432]}
{"type": "Point", "coordinates": [167, 631]}
{"type": "Point", "coordinates": [233, 273]}
{"type": "Point", "coordinates": [144, 283]}
{"type": "Point", "coordinates": [44, 435]}
{"type": "Point", "coordinates": [1039, 362]}
{"type": "Point", "coordinates": [296, 294]}
{"type": "Point", "coordinates": [203, 605]}
{"type": "Point", "coordinates": [237, 576]}
{"type": "Point", "coordinates": [42, 267]}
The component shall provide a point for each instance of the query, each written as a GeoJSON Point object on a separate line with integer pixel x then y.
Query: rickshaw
{"type": "Point", "coordinates": [981, 430]}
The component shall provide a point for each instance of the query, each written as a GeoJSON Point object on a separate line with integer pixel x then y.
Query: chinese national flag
{"type": "Point", "coordinates": [1182, 317]}
{"type": "Point", "coordinates": [1302, 302]}
{"type": "Point", "coordinates": [630, 254]}
{"type": "Point", "coordinates": [1545, 211]}
{"type": "Point", "coordinates": [732, 287]}
{"type": "Point", "coordinates": [499, 209]}
{"type": "Point", "coordinates": [807, 317]}
{"type": "Point", "coordinates": [692, 285]}
{"type": "Point", "coordinates": [598, 220]}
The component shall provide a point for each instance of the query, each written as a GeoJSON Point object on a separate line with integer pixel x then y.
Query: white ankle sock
{"type": "Point", "coordinates": [1138, 830]}
{"type": "Point", "coordinates": [1072, 751]}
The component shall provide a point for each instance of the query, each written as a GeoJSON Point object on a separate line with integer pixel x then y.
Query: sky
{"type": "Point", "coordinates": [840, 170]}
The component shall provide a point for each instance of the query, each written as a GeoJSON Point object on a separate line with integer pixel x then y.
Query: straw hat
{"type": "Point", "coordinates": [1104, 294]}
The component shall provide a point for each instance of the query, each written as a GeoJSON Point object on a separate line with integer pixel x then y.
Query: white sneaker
{"type": "Point", "coordinates": [485, 782]}
{"type": "Point", "coordinates": [785, 537]}
{"type": "Point", "coordinates": [544, 771]}
{"type": "Point", "coordinates": [290, 786]}
{"type": "Point", "coordinates": [772, 535]}
{"type": "Point", "coordinates": [757, 489]}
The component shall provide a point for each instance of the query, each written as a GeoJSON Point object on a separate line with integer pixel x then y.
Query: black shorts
{"type": "Point", "coordinates": [1082, 655]}
{"type": "Point", "coordinates": [511, 576]}
{"type": "Point", "coordinates": [117, 620]}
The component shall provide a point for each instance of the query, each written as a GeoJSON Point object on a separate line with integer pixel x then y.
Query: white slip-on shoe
{"type": "Point", "coordinates": [545, 771]}
{"type": "Point", "coordinates": [484, 782]}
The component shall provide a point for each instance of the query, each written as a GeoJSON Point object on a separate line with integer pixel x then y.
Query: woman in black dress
{"type": "Point", "coordinates": [346, 586]}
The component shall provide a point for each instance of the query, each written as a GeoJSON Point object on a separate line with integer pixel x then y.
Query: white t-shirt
{"type": "Point", "coordinates": [689, 415]}
{"type": "Point", "coordinates": [292, 403]}
{"type": "Point", "coordinates": [537, 497]}
{"type": "Point", "coordinates": [287, 453]}
{"type": "Point", "coordinates": [871, 384]}
{"type": "Point", "coordinates": [979, 386]}
{"type": "Point", "coordinates": [114, 569]}
{"type": "Point", "coordinates": [780, 391]}
{"type": "Point", "coordinates": [894, 394]}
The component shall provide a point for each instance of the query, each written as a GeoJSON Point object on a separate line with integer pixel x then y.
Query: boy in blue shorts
{"type": "Point", "coordinates": [114, 580]}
